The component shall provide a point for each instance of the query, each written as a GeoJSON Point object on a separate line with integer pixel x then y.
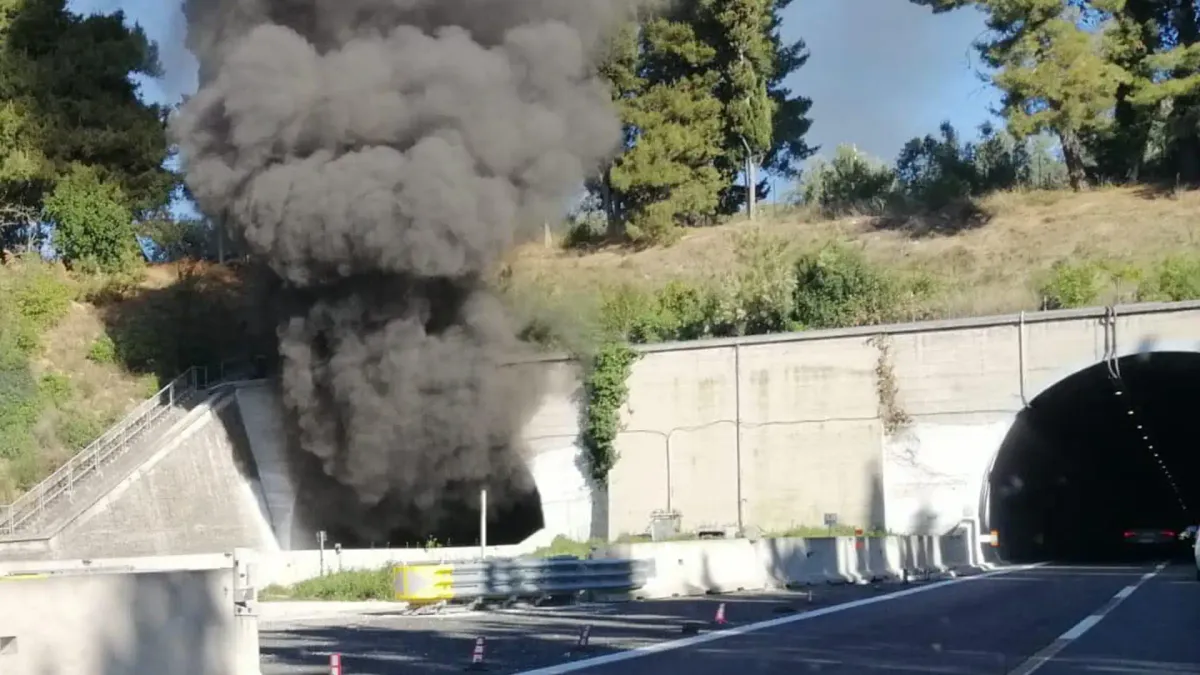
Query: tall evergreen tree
{"type": "Point", "coordinates": [791, 123]}
{"type": "Point", "coordinates": [668, 174]}
{"type": "Point", "coordinates": [1050, 70]}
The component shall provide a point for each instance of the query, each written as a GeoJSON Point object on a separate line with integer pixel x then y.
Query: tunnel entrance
{"type": "Point", "coordinates": [1102, 466]}
{"type": "Point", "coordinates": [323, 504]}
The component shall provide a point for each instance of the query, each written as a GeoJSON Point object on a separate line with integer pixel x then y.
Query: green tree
{"type": "Point", "coordinates": [791, 123]}
{"type": "Point", "coordinates": [93, 227]}
{"type": "Point", "coordinates": [1052, 75]}
{"type": "Point", "coordinates": [69, 98]}
{"type": "Point", "coordinates": [1170, 81]}
{"type": "Point", "coordinates": [1051, 70]}
{"type": "Point", "coordinates": [740, 33]}
{"type": "Point", "coordinates": [666, 175]}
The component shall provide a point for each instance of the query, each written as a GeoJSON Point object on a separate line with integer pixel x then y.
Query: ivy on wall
{"type": "Point", "coordinates": [606, 386]}
{"type": "Point", "coordinates": [893, 416]}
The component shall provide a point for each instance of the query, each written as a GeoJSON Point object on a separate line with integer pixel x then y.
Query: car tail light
{"type": "Point", "coordinates": [1128, 534]}
{"type": "Point", "coordinates": [1169, 533]}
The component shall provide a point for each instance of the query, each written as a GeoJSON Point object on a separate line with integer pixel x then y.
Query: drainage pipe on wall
{"type": "Point", "coordinates": [1021, 357]}
{"type": "Point", "coordinates": [737, 409]}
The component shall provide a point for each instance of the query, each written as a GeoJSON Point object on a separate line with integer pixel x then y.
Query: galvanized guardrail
{"type": "Point", "coordinates": [25, 514]}
{"type": "Point", "coordinates": [505, 579]}
{"type": "Point", "coordinates": [114, 442]}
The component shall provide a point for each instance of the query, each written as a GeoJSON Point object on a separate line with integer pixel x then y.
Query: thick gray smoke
{"type": "Point", "coordinates": [380, 156]}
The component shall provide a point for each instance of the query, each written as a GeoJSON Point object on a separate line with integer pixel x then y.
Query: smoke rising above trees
{"type": "Point", "coordinates": [380, 156]}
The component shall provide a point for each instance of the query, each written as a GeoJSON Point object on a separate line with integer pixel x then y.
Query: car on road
{"type": "Point", "coordinates": [1151, 540]}
{"type": "Point", "coordinates": [1196, 555]}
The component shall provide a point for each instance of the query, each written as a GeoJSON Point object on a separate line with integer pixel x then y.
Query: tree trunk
{"type": "Point", "coordinates": [614, 220]}
{"type": "Point", "coordinates": [1073, 157]}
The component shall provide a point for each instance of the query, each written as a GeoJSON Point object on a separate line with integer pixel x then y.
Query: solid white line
{"type": "Point", "coordinates": [672, 645]}
{"type": "Point", "coordinates": [1075, 632]}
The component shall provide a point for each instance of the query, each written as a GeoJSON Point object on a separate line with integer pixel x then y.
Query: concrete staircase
{"type": "Point", "coordinates": [93, 472]}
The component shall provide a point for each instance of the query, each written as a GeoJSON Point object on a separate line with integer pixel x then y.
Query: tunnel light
{"type": "Point", "coordinates": [1130, 412]}
{"type": "Point", "coordinates": [1117, 392]}
{"type": "Point", "coordinates": [1145, 438]}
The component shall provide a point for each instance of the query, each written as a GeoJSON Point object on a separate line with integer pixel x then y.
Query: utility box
{"type": "Point", "coordinates": [664, 525]}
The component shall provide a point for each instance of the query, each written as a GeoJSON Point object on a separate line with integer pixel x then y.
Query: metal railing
{"type": "Point", "coordinates": [29, 507]}
{"type": "Point", "coordinates": [504, 579]}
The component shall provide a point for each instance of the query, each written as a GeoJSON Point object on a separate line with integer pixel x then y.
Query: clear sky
{"type": "Point", "coordinates": [880, 71]}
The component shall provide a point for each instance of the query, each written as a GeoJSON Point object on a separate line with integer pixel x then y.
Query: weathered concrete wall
{"type": "Point", "coordinates": [179, 622]}
{"type": "Point", "coordinates": [197, 493]}
{"type": "Point", "coordinates": [788, 426]}
{"type": "Point", "coordinates": [772, 432]}
{"type": "Point", "coordinates": [262, 417]}
{"type": "Point", "coordinates": [192, 496]}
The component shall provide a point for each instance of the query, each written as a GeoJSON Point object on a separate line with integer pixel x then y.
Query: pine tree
{"type": "Point", "coordinates": [668, 173]}
{"type": "Point", "coordinates": [791, 123]}
{"type": "Point", "coordinates": [1051, 72]}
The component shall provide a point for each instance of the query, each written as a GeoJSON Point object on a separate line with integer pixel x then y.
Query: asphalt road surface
{"type": "Point", "coordinates": [1050, 620]}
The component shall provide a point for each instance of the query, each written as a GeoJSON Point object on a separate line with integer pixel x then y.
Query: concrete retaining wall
{"type": "Point", "coordinates": [181, 622]}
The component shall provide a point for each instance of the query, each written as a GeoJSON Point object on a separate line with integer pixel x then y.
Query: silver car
{"type": "Point", "coordinates": [1196, 554]}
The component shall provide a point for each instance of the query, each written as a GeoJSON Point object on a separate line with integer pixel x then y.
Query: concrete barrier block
{"type": "Point", "coordinates": [790, 562]}
{"type": "Point", "coordinates": [79, 623]}
{"type": "Point", "coordinates": [697, 567]}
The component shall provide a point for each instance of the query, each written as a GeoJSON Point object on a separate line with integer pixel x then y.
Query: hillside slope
{"type": "Point", "coordinates": [993, 260]}
{"type": "Point", "coordinates": [102, 346]}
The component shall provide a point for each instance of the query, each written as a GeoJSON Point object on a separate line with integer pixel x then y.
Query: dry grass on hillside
{"type": "Point", "coordinates": [985, 268]}
{"type": "Point", "coordinates": [105, 390]}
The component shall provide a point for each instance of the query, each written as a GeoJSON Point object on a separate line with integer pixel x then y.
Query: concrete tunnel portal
{"type": "Point", "coordinates": [1109, 448]}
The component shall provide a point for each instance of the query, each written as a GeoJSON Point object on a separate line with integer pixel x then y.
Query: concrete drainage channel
{"type": "Point", "coordinates": [155, 615]}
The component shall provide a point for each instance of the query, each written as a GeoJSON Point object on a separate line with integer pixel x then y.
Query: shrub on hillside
{"type": "Point", "coordinates": [837, 287]}
{"type": "Point", "coordinates": [34, 296]}
{"type": "Point", "coordinates": [1175, 279]}
{"type": "Point", "coordinates": [850, 183]}
{"type": "Point", "coordinates": [772, 291]}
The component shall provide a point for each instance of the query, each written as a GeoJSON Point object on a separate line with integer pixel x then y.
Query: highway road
{"type": "Point", "coordinates": [1050, 620]}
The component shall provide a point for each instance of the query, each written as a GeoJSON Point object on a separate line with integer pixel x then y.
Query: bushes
{"type": "Point", "coordinates": [774, 290]}
{"type": "Point", "coordinates": [1084, 283]}
{"type": "Point", "coordinates": [33, 297]}
{"type": "Point", "coordinates": [348, 586]}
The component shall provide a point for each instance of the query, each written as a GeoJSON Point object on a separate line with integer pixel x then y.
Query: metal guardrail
{"type": "Point", "coordinates": [502, 579]}
{"type": "Point", "coordinates": [29, 507]}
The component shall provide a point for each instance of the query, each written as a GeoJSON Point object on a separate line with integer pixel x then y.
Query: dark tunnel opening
{"type": "Point", "coordinates": [325, 505]}
{"type": "Point", "coordinates": [1100, 466]}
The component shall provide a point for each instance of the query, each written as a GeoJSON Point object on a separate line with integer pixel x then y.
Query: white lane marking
{"type": "Point", "coordinates": [672, 645]}
{"type": "Point", "coordinates": [1087, 623]}
{"type": "Point", "coordinates": [1081, 627]}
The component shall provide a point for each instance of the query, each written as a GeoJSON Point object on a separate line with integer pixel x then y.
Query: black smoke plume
{"type": "Point", "coordinates": [380, 156]}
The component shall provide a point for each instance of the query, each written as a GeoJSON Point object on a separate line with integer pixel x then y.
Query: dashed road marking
{"type": "Point", "coordinates": [1087, 623]}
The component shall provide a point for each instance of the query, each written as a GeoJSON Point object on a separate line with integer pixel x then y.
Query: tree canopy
{"type": "Point", "coordinates": [68, 100]}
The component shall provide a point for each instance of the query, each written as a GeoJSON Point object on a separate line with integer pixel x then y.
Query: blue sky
{"type": "Point", "coordinates": [881, 71]}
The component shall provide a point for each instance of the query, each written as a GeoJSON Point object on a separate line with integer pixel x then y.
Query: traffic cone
{"type": "Point", "coordinates": [719, 619]}
{"type": "Point", "coordinates": [335, 664]}
{"type": "Point", "coordinates": [585, 636]}
{"type": "Point", "coordinates": [477, 655]}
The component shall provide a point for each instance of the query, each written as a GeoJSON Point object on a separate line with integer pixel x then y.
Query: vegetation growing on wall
{"type": "Point", "coordinates": [893, 416]}
{"type": "Point", "coordinates": [606, 386]}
